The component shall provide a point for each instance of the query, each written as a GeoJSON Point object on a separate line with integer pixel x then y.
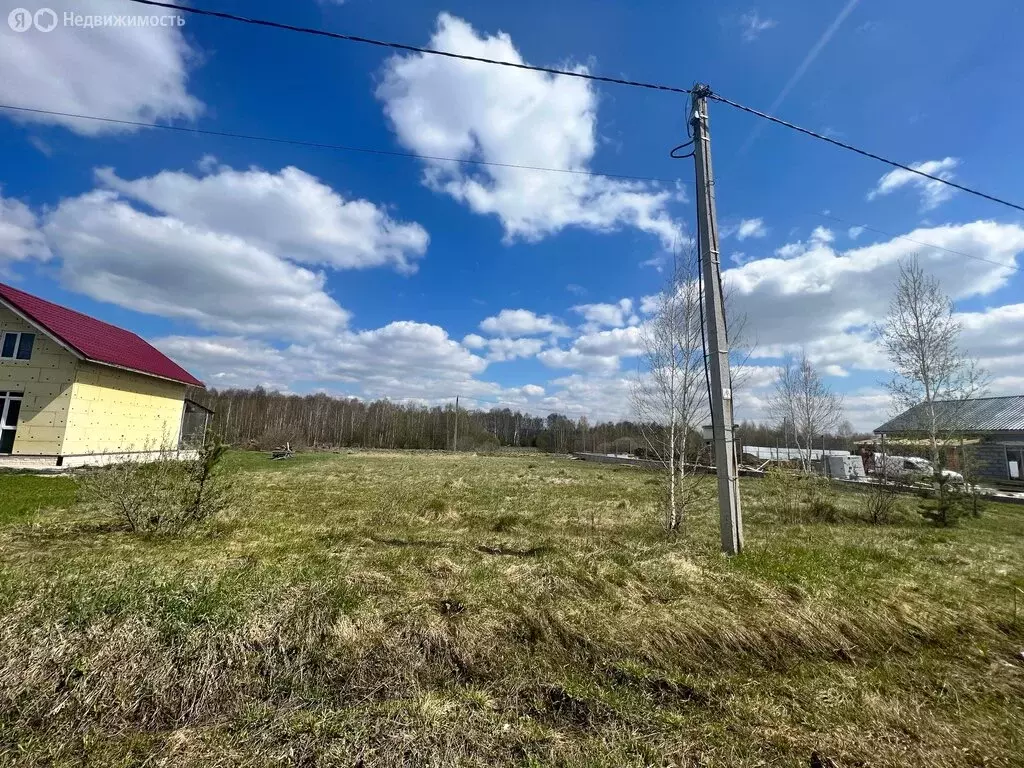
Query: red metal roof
{"type": "Point", "coordinates": [95, 340]}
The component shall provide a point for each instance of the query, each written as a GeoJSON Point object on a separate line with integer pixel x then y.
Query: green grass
{"type": "Point", "coordinates": [21, 496]}
{"type": "Point", "coordinates": [428, 609]}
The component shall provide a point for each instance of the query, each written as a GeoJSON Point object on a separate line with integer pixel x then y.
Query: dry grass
{"type": "Point", "coordinates": [434, 610]}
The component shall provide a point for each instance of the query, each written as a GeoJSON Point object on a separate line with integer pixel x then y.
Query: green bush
{"type": "Point", "coordinates": [166, 496]}
{"type": "Point", "coordinates": [819, 503]}
{"type": "Point", "coordinates": [884, 504]}
{"type": "Point", "coordinates": [947, 502]}
{"type": "Point", "coordinates": [780, 492]}
{"type": "Point", "coordinates": [799, 498]}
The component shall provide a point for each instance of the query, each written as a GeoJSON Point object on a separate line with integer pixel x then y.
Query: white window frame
{"type": "Point", "coordinates": [17, 343]}
{"type": "Point", "coordinates": [5, 405]}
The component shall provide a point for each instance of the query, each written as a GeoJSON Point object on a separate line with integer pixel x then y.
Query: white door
{"type": "Point", "coordinates": [10, 409]}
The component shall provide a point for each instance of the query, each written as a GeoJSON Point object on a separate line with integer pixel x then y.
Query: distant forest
{"type": "Point", "coordinates": [258, 419]}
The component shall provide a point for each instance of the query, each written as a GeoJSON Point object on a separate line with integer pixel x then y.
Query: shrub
{"type": "Point", "coordinates": [166, 496]}
{"type": "Point", "coordinates": [779, 492]}
{"type": "Point", "coordinates": [883, 503]}
{"type": "Point", "coordinates": [947, 502]}
{"type": "Point", "coordinates": [819, 500]}
{"type": "Point", "coordinates": [799, 498]}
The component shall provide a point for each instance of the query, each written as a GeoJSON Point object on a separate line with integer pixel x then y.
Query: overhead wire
{"type": "Point", "coordinates": [477, 162]}
{"type": "Point", "coordinates": [324, 145]}
{"type": "Point", "coordinates": [865, 153]}
{"type": "Point", "coordinates": [405, 47]}
{"type": "Point", "coordinates": [567, 73]}
{"type": "Point", "coordinates": [922, 243]}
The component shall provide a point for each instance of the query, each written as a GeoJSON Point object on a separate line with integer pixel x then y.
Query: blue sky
{"type": "Point", "coordinates": [309, 269]}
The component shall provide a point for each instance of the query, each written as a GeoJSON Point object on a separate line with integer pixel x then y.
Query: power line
{"type": "Point", "coordinates": [863, 152]}
{"type": "Point", "coordinates": [566, 73]}
{"type": "Point", "coordinates": [321, 145]}
{"type": "Point", "coordinates": [922, 243]}
{"type": "Point", "coordinates": [410, 155]}
{"type": "Point", "coordinates": [405, 47]}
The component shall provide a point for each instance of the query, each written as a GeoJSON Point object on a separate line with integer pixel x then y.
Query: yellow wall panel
{"type": "Point", "coordinates": [119, 411]}
{"type": "Point", "coordinates": [45, 380]}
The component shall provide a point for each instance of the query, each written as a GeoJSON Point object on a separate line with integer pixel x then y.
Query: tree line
{"type": "Point", "coordinates": [263, 419]}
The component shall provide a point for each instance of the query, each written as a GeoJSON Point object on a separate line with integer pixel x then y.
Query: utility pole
{"type": "Point", "coordinates": [456, 441]}
{"type": "Point", "coordinates": [718, 342]}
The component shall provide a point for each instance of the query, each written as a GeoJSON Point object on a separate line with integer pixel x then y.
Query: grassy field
{"type": "Point", "coordinates": [404, 610]}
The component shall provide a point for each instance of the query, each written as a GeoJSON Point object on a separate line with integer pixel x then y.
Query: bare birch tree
{"type": "Point", "coordinates": [669, 395]}
{"type": "Point", "coordinates": [922, 338]}
{"type": "Point", "coordinates": [803, 400]}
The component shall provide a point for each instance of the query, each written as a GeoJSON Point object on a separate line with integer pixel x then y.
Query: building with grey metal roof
{"type": "Point", "coordinates": [997, 424]}
{"type": "Point", "coordinates": [984, 415]}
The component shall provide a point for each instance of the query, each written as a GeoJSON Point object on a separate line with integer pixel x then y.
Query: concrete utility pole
{"type": "Point", "coordinates": [456, 441]}
{"type": "Point", "coordinates": [718, 342]}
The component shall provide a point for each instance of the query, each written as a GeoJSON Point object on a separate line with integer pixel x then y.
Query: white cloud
{"type": "Point", "coordinates": [752, 25]}
{"type": "Point", "coordinates": [658, 261]}
{"type": "Point", "coordinates": [474, 341]}
{"type": "Point", "coordinates": [824, 302]}
{"type": "Point", "coordinates": [138, 74]}
{"type": "Point", "coordinates": [994, 337]}
{"type": "Point", "coordinates": [854, 232]}
{"type": "Point", "coordinates": [445, 108]}
{"type": "Point", "coordinates": [400, 360]}
{"type": "Point", "coordinates": [522, 322]}
{"type": "Point", "coordinates": [841, 347]}
{"type": "Point", "coordinates": [392, 358]}
{"type": "Point", "coordinates": [599, 352]}
{"type": "Point", "coordinates": [216, 250]}
{"type": "Point", "coordinates": [208, 163]}
{"type": "Point", "coordinates": [600, 397]}
{"type": "Point", "coordinates": [822, 235]}
{"type": "Point", "coordinates": [160, 265]}
{"type": "Point", "coordinates": [650, 304]}
{"type": "Point", "coordinates": [20, 238]}
{"type": "Point", "coordinates": [289, 212]}
{"type": "Point", "coordinates": [510, 349]}
{"type": "Point", "coordinates": [756, 377]}
{"type": "Point", "coordinates": [789, 250]}
{"type": "Point", "coordinates": [618, 342]}
{"type": "Point", "coordinates": [231, 361]}
{"type": "Point", "coordinates": [751, 228]}
{"type": "Point", "coordinates": [607, 315]}
{"type": "Point", "coordinates": [821, 302]}
{"type": "Point", "coordinates": [932, 192]}
{"type": "Point", "coordinates": [573, 358]}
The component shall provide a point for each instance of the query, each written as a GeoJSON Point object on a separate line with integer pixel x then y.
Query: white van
{"type": "Point", "coordinates": [910, 468]}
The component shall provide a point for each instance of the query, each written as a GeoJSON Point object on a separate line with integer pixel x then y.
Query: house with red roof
{"type": "Point", "coordinates": [75, 390]}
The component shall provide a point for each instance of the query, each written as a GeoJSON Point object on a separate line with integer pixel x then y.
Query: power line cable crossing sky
{"type": "Point", "coordinates": [582, 75]}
